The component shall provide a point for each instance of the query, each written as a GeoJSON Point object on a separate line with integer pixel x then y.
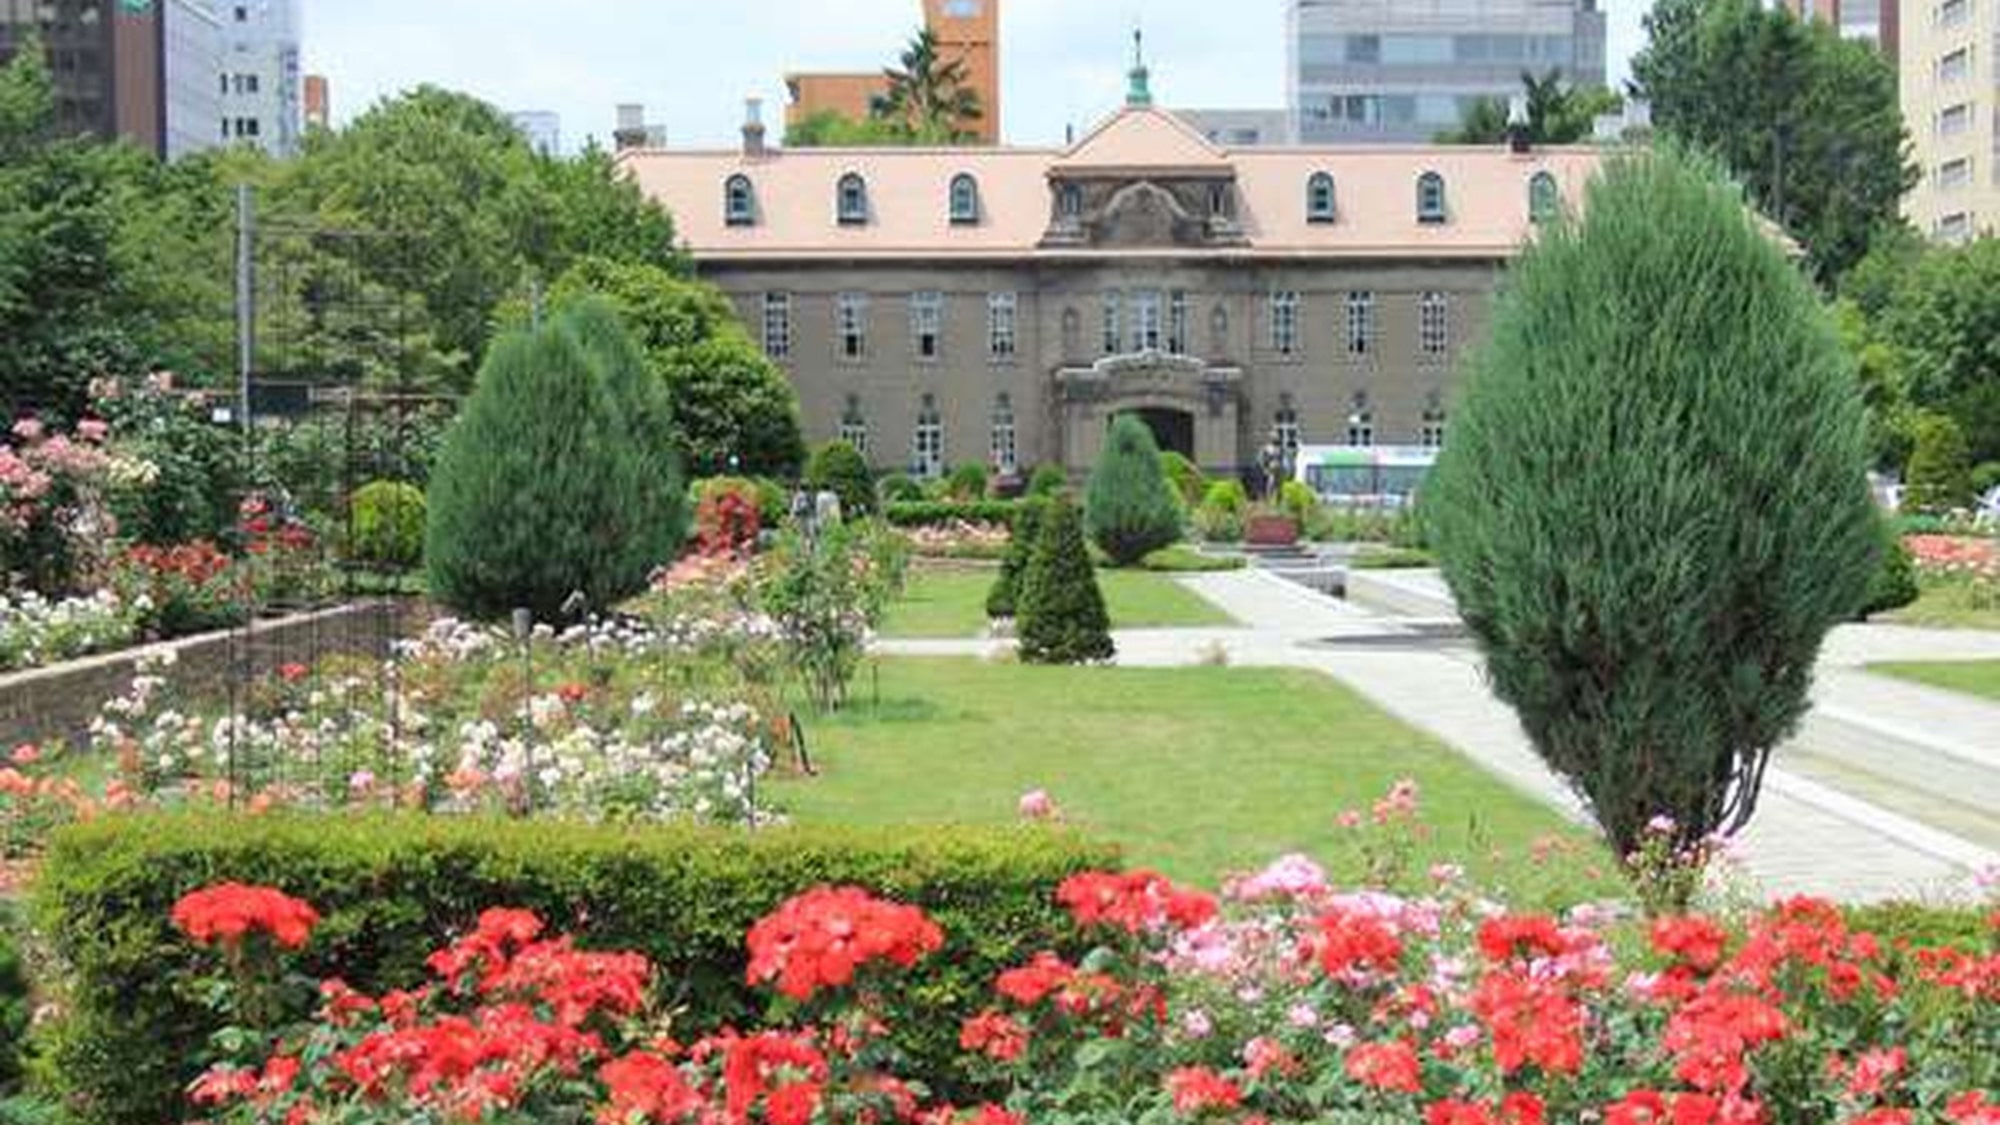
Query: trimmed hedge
{"type": "Point", "coordinates": [393, 888]}
{"type": "Point", "coordinates": [937, 513]}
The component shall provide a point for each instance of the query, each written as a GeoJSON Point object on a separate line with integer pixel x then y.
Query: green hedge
{"type": "Point", "coordinates": [14, 1005]}
{"type": "Point", "coordinates": [1923, 926]}
{"type": "Point", "coordinates": [394, 888]}
{"type": "Point", "coordinates": [937, 513]}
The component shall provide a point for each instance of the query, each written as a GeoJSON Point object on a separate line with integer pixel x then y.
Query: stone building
{"type": "Point", "coordinates": [1002, 305]}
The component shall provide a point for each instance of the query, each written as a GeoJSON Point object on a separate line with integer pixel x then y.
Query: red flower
{"type": "Point", "coordinates": [1883, 1117]}
{"type": "Point", "coordinates": [1972, 1108]}
{"type": "Point", "coordinates": [573, 693]}
{"type": "Point", "coordinates": [999, 1037]}
{"type": "Point", "coordinates": [1139, 902]}
{"type": "Point", "coordinates": [1514, 1109]}
{"type": "Point", "coordinates": [1872, 1071]}
{"type": "Point", "coordinates": [1649, 1107]}
{"type": "Point", "coordinates": [990, 1114]}
{"type": "Point", "coordinates": [227, 913]}
{"type": "Point", "coordinates": [647, 1087]}
{"type": "Point", "coordinates": [1390, 1066]}
{"type": "Point", "coordinates": [1353, 941]}
{"type": "Point", "coordinates": [1029, 984]}
{"type": "Point", "coordinates": [1695, 942]}
{"type": "Point", "coordinates": [793, 1103]}
{"type": "Point", "coordinates": [1197, 1090]}
{"type": "Point", "coordinates": [1532, 1021]}
{"type": "Point", "coordinates": [1711, 1034]}
{"type": "Point", "coordinates": [1524, 935]}
{"type": "Point", "coordinates": [818, 939]}
{"type": "Point", "coordinates": [293, 672]}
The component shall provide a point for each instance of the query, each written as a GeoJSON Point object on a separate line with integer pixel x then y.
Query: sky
{"type": "Point", "coordinates": [692, 62]}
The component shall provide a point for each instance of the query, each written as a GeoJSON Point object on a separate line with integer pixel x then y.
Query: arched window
{"type": "Point", "coordinates": [739, 202]}
{"type": "Point", "coordinates": [1285, 432]}
{"type": "Point", "coordinates": [1218, 330]}
{"type": "Point", "coordinates": [964, 199]}
{"type": "Point", "coordinates": [1544, 198]}
{"type": "Point", "coordinates": [1319, 198]}
{"type": "Point", "coordinates": [1431, 434]}
{"type": "Point", "coordinates": [853, 199]}
{"type": "Point", "coordinates": [1361, 422]}
{"type": "Point", "coordinates": [927, 442]}
{"type": "Point", "coordinates": [854, 425]}
{"type": "Point", "coordinates": [1069, 201]}
{"type": "Point", "coordinates": [1430, 198]}
{"type": "Point", "coordinates": [1218, 201]}
{"type": "Point", "coordinates": [1005, 447]}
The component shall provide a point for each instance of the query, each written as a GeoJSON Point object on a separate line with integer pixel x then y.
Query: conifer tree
{"type": "Point", "coordinates": [652, 529]}
{"type": "Point", "coordinates": [1005, 597]}
{"type": "Point", "coordinates": [1062, 614]}
{"type": "Point", "coordinates": [1131, 509]}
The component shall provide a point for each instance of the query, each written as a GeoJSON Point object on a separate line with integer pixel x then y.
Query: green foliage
{"type": "Point", "coordinates": [1131, 509]}
{"type": "Point", "coordinates": [898, 488]}
{"type": "Point", "coordinates": [1806, 119]}
{"type": "Point", "coordinates": [827, 592]}
{"type": "Point", "coordinates": [1227, 496]}
{"type": "Point", "coordinates": [534, 497]}
{"type": "Point", "coordinates": [393, 888]}
{"type": "Point", "coordinates": [1060, 608]}
{"type": "Point", "coordinates": [1895, 583]}
{"type": "Point", "coordinates": [830, 128]}
{"type": "Point", "coordinates": [1558, 113]}
{"type": "Point", "coordinates": [1937, 318]}
{"type": "Point", "coordinates": [1047, 481]}
{"type": "Point", "coordinates": [966, 483]}
{"type": "Point", "coordinates": [1985, 477]}
{"type": "Point", "coordinates": [1185, 477]}
{"type": "Point", "coordinates": [1004, 599]}
{"type": "Point", "coordinates": [1612, 604]}
{"type": "Point", "coordinates": [1183, 559]}
{"type": "Point", "coordinates": [1921, 926]}
{"type": "Point", "coordinates": [928, 95]}
{"type": "Point", "coordinates": [1297, 500]}
{"type": "Point", "coordinates": [838, 468]}
{"type": "Point", "coordinates": [388, 521]}
{"type": "Point", "coordinates": [938, 513]}
{"type": "Point", "coordinates": [1940, 475]}
{"type": "Point", "coordinates": [658, 517]}
{"type": "Point", "coordinates": [15, 1006]}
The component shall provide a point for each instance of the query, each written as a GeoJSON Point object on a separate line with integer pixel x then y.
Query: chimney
{"type": "Point", "coordinates": [631, 131]}
{"type": "Point", "coordinates": [1517, 124]}
{"type": "Point", "coordinates": [753, 127]}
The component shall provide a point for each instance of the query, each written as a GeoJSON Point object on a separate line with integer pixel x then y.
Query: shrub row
{"type": "Point", "coordinates": [937, 513]}
{"type": "Point", "coordinates": [394, 888]}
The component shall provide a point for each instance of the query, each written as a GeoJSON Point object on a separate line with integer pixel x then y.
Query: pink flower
{"type": "Point", "coordinates": [1289, 877]}
{"type": "Point", "coordinates": [29, 429]}
{"type": "Point", "coordinates": [26, 754]}
{"type": "Point", "coordinates": [92, 430]}
{"type": "Point", "coordinates": [1038, 805]}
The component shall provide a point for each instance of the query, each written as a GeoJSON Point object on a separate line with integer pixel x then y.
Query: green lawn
{"type": "Point", "coordinates": [1973, 677]}
{"type": "Point", "coordinates": [1948, 605]}
{"type": "Point", "coordinates": [1197, 771]}
{"type": "Point", "coordinates": [951, 603]}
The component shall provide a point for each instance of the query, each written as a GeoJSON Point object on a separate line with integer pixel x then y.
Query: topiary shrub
{"type": "Point", "coordinates": [966, 483]}
{"type": "Point", "coordinates": [1060, 608]}
{"type": "Point", "coordinates": [1654, 504]}
{"type": "Point", "coordinates": [898, 488]}
{"type": "Point", "coordinates": [1003, 600]}
{"type": "Point", "coordinates": [838, 468]}
{"type": "Point", "coordinates": [1940, 473]}
{"type": "Point", "coordinates": [388, 521]}
{"type": "Point", "coordinates": [1185, 477]}
{"type": "Point", "coordinates": [535, 495]}
{"type": "Point", "coordinates": [1047, 481]}
{"type": "Point", "coordinates": [1297, 500]}
{"type": "Point", "coordinates": [1131, 510]}
{"type": "Point", "coordinates": [1895, 583]}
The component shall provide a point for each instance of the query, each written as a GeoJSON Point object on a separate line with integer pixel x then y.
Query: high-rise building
{"type": "Point", "coordinates": [1406, 70]}
{"type": "Point", "coordinates": [1949, 95]}
{"type": "Point", "coordinates": [1878, 21]}
{"type": "Point", "coordinates": [143, 70]}
{"type": "Point", "coordinates": [542, 128]}
{"type": "Point", "coordinates": [968, 33]}
{"type": "Point", "coordinates": [260, 80]}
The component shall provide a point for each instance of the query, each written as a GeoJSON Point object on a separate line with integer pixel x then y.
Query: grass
{"type": "Point", "coordinates": [1946, 604]}
{"type": "Point", "coordinates": [1970, 677]}
{"type": "Point", "coordinates": [1197, 771]}
{"type": "Point", "coordinates": [947, 604]}
{"type": "Point", "coordinates": [1184, 559]}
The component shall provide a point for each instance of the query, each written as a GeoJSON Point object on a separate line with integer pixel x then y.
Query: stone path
{"type": "Point", "coordinates": [1830, 832]}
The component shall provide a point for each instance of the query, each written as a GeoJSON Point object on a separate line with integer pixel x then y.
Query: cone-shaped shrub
{"type": "Point", "coordinates": [1005, 596]}
{"type": "Point", "coordinates": [1062, 617]}
{"type": "Point", "coordinates": [839, 468]}
{"type": "Point", "coordinates": [1654, 503]}
{"type": "Point", "coordinates": [1131, 510]}
{"type": "Point", "coordinates": [534, 480]}
{"type": "Point", "coordinates": [651, 530]}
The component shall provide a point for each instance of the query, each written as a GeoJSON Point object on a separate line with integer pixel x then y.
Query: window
{"type": "Point", "coordinates": [1112, 338]}
{"type": "Point", "coordinates": [1951, 13]}
{"type": "Point", "coordinates": [927, 324]}
{"type": "Point", "coordinates": [1431, 434]}
{"type": "Point", "coordinates": [1433, 324]}
{"type": "Point", "coordinates": [1285, 323]}
{"type": "Point", "coordinates": [1319, 198]}
{"type": "Point", "coordinates": [778, 325]}
{"type": "Point", "coordinates": [1002, 312]}
{"type": "Point", "coordinates": [1955, 119]}
{"type": "Point", "coordinates": [927, 443]}
{"type": "Point", "coordinates": [1286, 434]}
{"type": "Point", "coordinates": [1544, 199]}
{"type": "Point", "coordinates": [1430, 198]}
{"type": "Point", "coordinates": [851, 325]}
{"type": "Point", "coordinates": [1955, 227]}
{"type": "Point", "coordinates": [964, 200]}
{"type": "Point", "coordinates": [1956, 66]}
{"type": "Point", "coordinates": [854, 426]}
{"type": "Point", "coordinates": [1360, 322]}
{"type": "Point", "coordinates": [739, 202]}
{"type": "Point", "coordinates": [1004, 451]}
{"type": "Point", "coordinates": [1177, 323]}
{"type": "Point", "coordinates": [1955, 173]}
{"type": "Point", "coordinates": [1069, 201]}
{"type": "Point", "coordinates": [853, 199]}
{"type": "Point", "coordinates": [1146, 325]}
{"type": "Point", "coordinates": [1218, 201]}
{"type": "Point", "coordinates": [1361, 423]}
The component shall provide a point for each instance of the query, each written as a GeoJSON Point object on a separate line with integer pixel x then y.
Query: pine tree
{"type": "Point", "coordinates": [1654, 504]}
{"type": "Point", "coordinates": [652, 529]}
{"type": "Point", "coordinates": [1005, 597]}
{"type": "Point", "coordinates": [527, 497]}
{"type": "Point", "coordinates": [1062, 614]}
{"type": "Point", "coordinates": [1131, 511]}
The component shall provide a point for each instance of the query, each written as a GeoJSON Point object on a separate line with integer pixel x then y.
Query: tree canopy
{"type": "Point", "coordinates": [927, 102]}
{"type": "Point", "coordinates": [1558, 113]}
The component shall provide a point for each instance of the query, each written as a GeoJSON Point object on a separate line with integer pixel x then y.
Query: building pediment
{"type": "Point", "coordinates": [1142, 137]}
{"type": "Point", "coordinates": [1150, 378]}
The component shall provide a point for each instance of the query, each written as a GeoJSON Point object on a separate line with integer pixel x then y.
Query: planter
{"type": "Point", "coordinates": [1271, 531]}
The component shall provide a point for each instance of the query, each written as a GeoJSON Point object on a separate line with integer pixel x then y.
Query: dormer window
{"type": "Point", "coordinates": [1430, 198]}
{"type": "Point", "coordinates": [1218, 201]}
{"type": "Point", "coordinates": [964, 200]}
{"type": "Point", "coordinates": [853, 199]}
{"type": "Point", "coordinates": [1544, 199]}
{"type": "Point", "coordinates": [1319, 198]}
{"type": "Point", "coordinates": [739, 202]}
{"type": "Point", "coordinates": [1069, 201]}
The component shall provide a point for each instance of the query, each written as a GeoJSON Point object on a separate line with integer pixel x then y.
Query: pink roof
{"type": "Point", "coordinates": [908, 191]}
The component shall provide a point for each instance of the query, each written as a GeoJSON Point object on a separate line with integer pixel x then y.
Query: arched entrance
{"type": "Point", "coordinates": [1190, 406]}
{"type": "Point", "coordinates": [1173, 430]}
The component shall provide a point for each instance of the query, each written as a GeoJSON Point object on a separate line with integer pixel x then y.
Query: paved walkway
{"type": "Point", "coordinates": [1821, 834]}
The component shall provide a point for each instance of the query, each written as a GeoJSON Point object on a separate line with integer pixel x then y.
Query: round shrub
{"type": "Point", "coordinates": [1297, 500]}
{"type": "Point", "coordinates": [1895, 583]}
{"type": "Point", "coordinates": [1061, 610]}
{"type": "Point", "coordinates": [838, 468]}
{"type": "Point", "coordinates": [1654, 504]}
{"type": "Point", "coordinates": [1940, 474]}
{"type": "Point", "coordinates": [1185, 476]}
{"type": "Point", "coordinates": [1227, 496]}
{"type": "Point", "coordinates": [966, 482]}
{"type": "Point", "coordinates": [1047, 481]}
{"type": "Point", "coordinates": [898, 488]}
{"type": "Point", "coordinates": [1131, 510]}
{"type": "Point", "coordinates": [389, 525]}
{"type": "Point", "coordinates": [1004, 599]}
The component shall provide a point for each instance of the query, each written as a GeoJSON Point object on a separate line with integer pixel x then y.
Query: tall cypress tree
{"type": "Point", "coordinates": [1005, 596]}
{"type": "Point", "coordinates": [1062, 614]}
{"type": "Point", "coordinates": [1654, 503]}
{"type": "Point", "coordinates": [651, 530]}
{"type": "Point", "coordinates": [1131, 510]}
